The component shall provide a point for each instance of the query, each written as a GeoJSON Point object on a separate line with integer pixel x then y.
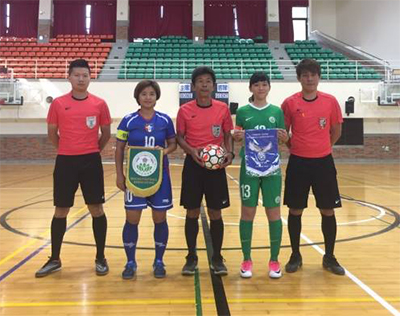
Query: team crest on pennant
{"type": "Point", "coordinates": [144, 170]}
{"type": "Point", "coordinates": [216, 130]}
{"type": "Point", "coordinates": [91, 121]}
{"type": "Point", "coordinates": [261, 152]}
{"type": "Point", "coordinates": [322, 122]}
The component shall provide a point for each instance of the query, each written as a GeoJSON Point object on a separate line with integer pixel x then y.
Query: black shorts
{"type": "Point", "coordinates": [198, 181]}
{"type": "Point", "coordinates": [317, 173]}
{"type": "Point", "coordinates": [72, 171]}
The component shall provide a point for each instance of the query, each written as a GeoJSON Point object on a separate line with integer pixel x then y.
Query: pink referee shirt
{"type": "Point", "coordinates": [78, 123]}
{"type": "Point", "coordinates": [310, 123]}
{"type": "Point", "coordinates": [203, 126]}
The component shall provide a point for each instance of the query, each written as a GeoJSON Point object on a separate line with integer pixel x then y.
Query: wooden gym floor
{"type": "Point", "coordinates": [368, 246]}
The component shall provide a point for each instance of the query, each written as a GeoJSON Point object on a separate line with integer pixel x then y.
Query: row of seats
{"type": "Point", "coordinates": [172, 63]}
{"type": "Point", "coordinates": [333, 65]}
{"type": "Point", "coordinates": [87, 36]}
{"type": "Point", "coordinates": [187, 75]}
{"type": "Point", "coordinates": [56, 48]}
{"type": "Point", "coordinates": [335, 76]}
{"type": "Point", "coordinates": [46, 68]}
{"type": "Point", "coordinates": [31, 60]}
{"type": "Point", "coordinates": [172, 55]}
{"type": "Point", "coordinates": [227, 40]}
{"type": "Point", "coordinates": [71, 54]}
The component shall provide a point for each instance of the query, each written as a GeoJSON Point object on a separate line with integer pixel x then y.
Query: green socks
{"type": "Point", "coordinates": [246, 232]}
{"type": "Point", "coordinates": [275, 237]}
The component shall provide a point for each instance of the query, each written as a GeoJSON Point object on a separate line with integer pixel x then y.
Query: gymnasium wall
{"type": "Point", "coordinates": [23, 128]}
{"type": "Point", "coordinates": [373, 26]}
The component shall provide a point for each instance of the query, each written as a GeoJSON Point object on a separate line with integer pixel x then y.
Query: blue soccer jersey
{"type": "Point", "coordinates": [137, 131]}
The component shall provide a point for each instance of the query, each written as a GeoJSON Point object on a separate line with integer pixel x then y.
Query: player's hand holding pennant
{"type": "Point", "coordinates": [261, 152]}
{"type": "Point", "coordinates": [144, 170]}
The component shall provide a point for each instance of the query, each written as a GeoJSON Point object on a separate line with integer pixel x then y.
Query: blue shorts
{"type": "Point", "coordinates": [159, 201]}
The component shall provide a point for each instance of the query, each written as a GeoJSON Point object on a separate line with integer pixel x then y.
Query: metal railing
{"type": "Point", "coordinates": [181, 69]}
{"type": "Point", "coordinates": [39, 68]}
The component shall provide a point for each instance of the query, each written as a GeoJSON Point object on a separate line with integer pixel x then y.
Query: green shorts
{"type": "Point", "coordinates": [271, 188]}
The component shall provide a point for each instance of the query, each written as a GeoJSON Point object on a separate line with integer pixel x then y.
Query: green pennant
{"type": "Point", "coordinates": [144, 170]}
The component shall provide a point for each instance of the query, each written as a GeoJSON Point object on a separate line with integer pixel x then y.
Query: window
{"type": "Point", "coordinates": [300, 23]}
{"type": "Point", "coordinates": [88, 17]}
{"type": "Point", "coordinates": [7, 18]}
{"type": "Point", "coordinates": [235, 24]}
{"type": "Point", "coordinates": [162, 12]}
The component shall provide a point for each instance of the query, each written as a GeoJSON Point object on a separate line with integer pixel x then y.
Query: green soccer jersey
{"type": "Point", "coordinates": [252, 117]}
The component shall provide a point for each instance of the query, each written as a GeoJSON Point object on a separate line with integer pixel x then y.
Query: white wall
{"type": "Point", "coordinates": [374, 26]}
{"type": "Point", "coordinates": [323, 16]}
{"type": "Point", "coordinates": [198, 10]}
{"type": "Point", "coordinates": [45, 11]}
{"type": "Point", "coordinates": [123, 10]}
{"type": "Point", "coordinates": [273, 10]}
{"type": "Point", "coordinates": [30, 118]}
{"type": "Point", "coordinates": [371, 25]}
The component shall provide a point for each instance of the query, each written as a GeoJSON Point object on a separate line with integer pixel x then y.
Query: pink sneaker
{"type": "Point", "coordinates": [274, 270]}
{"type": "Point", "coordinates": [246, 269]}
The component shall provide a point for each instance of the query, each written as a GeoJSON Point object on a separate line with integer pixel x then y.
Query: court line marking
{"type": "Point", "coordinates": [381, 210]}
{"type": "Point", "coordinates": [362, 285]}
{"type": "Point", "coordinates": [48, 242]}
{"type": "Point", "coordinates": [34, 241]}
{"type": "Point", "coordinates": [192, 301]}
{"type": "Point", "coordinates": [220, 298]}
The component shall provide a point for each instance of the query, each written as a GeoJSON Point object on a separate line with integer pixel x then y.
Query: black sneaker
{"type": "Point", "coordinates": [101, 267]}
{"type": "Point", "coordinates": [331, 264]}
{"type": "Point", "coordinates": [190, 266]}
{"type": "Point", "coordinates": [295, 262]}
{"type": "Point", "coordinates": [218, 266]}
{"type": "Point", "coordinates": [49, 267]}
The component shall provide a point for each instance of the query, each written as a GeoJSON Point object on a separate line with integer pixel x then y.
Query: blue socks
{"type": "Point", "coordinates": [130, 237]}
{"type": "Point", "coordinates": [160, 239]}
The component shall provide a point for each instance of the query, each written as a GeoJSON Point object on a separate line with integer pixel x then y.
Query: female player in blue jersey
{"type": "Point", "coordinates": [149, 128]}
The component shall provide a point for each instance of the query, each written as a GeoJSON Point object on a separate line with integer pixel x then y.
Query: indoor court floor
{"type": "Point", "coordinates": [368, 247]}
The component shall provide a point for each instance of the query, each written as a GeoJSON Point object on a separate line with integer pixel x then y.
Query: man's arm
{"type": "Point", "coordinates": [336, 132]}
{"type": "Point", "coordinates": [105, 136]}
{"type": "Point", "coordinates": [52, 133]}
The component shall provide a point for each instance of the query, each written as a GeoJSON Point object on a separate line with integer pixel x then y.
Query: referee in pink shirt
{"type": "Point", "coordinates": [315, 121]}
{"type": "Point", "coordinates": [73, 124]}
{"type": "Point", "coordinates": [201, 122]}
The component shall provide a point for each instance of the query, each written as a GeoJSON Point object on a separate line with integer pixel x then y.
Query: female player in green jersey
{"type": "Point", "coordinates": [260, 114]}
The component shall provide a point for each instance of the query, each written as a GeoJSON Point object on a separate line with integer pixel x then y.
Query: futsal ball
{"type": "Point", "coordinates": [213, 156]}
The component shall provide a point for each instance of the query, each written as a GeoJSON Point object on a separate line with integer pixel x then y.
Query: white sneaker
{"type": "Point", "coordinates": [275, 271]}
{"type": "Point", "coordinates": [246, 269]}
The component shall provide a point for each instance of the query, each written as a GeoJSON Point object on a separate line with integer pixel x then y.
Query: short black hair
{"type": "Point", "coordinates": [143, 85]}
{"type": "Point", "coordinates": [203, 70]}
{"type": "Point", "coordinates": [259, 76]}
{"type": "Point", "coordinates": [310, 65]}
{"type": "Point", "coordinates": [78, 63]}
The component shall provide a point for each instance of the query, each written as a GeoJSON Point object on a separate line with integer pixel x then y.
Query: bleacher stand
{"type": "Point", "coordinates": [30, 59]}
